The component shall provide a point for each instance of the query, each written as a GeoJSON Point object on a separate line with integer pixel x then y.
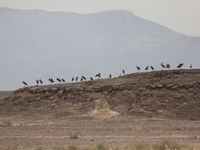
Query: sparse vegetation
{"type": "Point", "coordinates": [141, 147]}
{"type": "Point", "coordinates": [101, 147]}
{"type": "Point", "coordinates": [166, 145]}
{"type": "Point", "coordinates": [74, 136]}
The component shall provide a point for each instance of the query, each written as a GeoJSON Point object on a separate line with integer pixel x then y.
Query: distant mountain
{"type": "Point", "coordinates": [39, 44]}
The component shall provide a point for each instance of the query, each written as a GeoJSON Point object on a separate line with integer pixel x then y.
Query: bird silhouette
{"type": "Point", "coordinates": [147, 67]}
{"type": "Point", "coordinates": [162, 65]}
{"type": "Point", "coordinates": [51, 80]}
{"type": "Point", "coordinates": [24, 83]}
{"type": "Point", "coordinates": [76, 79]}
{"type": "Point", "coordinates": [152, 68]}
{"type": "Point", "coordinates": [123, 71]}
{"type": "Point", "coordinates": [168, 66]}
{"type": "Point", "coordinates": [37, 81]}
{"type": "Point", "coordinates": [98, 75]}
{"type": "Point", "coordinates": [72, 79]}
{"type": "Point", "coordinates": [190, 66]}
{"type": "Point", "coordinates": [41, 81]}
{"type": "Point", "coordinates": [180, 65]}
{"type": "Point", "coordinates": [63, 80]}
{"type": "Point", "coordinates": [84, 78]}
{"type": "Point", "coordinates": [91, 78]}
{"type": "Point", "coordinates": [110, 76]}
{"type": "Point", "coordinates": [58, 79]}
{"type": "Point", "coordinates": [138, 68]}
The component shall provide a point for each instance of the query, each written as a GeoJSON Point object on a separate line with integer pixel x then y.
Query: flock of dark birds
{"type": "Point", "coordinates": [98, 76]}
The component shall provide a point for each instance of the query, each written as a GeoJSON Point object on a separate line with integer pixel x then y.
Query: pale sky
{"type": "Point", "coordinates": [179, 15]}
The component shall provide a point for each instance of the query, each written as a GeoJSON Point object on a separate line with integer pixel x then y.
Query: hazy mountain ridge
{"type": "Point", "coordinates": [38, 44]}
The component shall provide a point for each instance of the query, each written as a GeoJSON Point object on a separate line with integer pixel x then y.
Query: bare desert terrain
{"type": "Point", "coordinates": [137, 108]}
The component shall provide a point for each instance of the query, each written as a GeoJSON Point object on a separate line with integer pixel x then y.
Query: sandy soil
{"type": "Point", "coordinates": [46, 132]}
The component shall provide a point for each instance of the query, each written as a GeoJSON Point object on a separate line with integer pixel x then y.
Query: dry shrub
{"type": "Point", "coordinates": [166, 145]}
{"type": "Point", "coordinates": [73, 136]}
{"type": "Point", "coordinates": [101, 147]}
{"type": "Point", "coordinates": [141, 147]}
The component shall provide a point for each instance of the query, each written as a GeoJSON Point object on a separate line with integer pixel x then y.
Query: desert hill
{"type": "Point", "coordinates": [171, 93]}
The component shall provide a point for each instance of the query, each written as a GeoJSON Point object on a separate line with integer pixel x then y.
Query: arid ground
{"type": "Point", "coordinates": [137, 108]}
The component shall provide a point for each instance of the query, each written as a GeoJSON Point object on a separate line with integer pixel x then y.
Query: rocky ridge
{"type": "Point", "coordinates": [171, 93]}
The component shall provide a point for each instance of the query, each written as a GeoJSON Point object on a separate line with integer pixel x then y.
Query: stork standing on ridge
{"type": "Point", "coordinates": [162, 65]}
{"type": "Point", "coordinates": [180, 65]}
{"type": "Point", "coordinates": [51, 80]}
{"type": "Point", "coordinates": [41, 81]}
{"type": "Point", "coordinates": [98, 75]}
{"type": "Point", "coordinates": [152, 68]}
{"type": "Point", "coordinates": [123, 71]}
{"type": "Point", "coordinates": [147, 68]}
{"type": "Point", "coordinates": [138, 68]}
{"type": "Point", "coordinates": [168, 66]}
{"type": "Point", "coordinates": [58, 79]}
{"type": "Point", "coordinates": [24, 83]}
{"type": "Point", "coordinates": [83, 77]}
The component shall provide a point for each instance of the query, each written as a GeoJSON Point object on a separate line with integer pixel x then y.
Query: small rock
{"type": "Point", "coordinates": [54, 90]}
{"type": "Point", "coordinates": [34, 89]}
{"type": "Point", "coordinates": [184, 103]}
{"type": "Point", "coordinates": [170, 85]}
{"type": "Point", "coordinates": [160, 111]}
{"type": "Point", "coordinates": [157, 85]}
{"type": "Point", "coordinates": [174, 87]}
{"type": "Point", "coordinates": [41, 91]}
{"type": "Point", "coordinates": [53, 105]}
{"type": "Point", "coordinates": [51, 98]}
{"type": "Point", "coordinates": [153, 86]}
{"type": "Point", "coordinates": [60, 93]}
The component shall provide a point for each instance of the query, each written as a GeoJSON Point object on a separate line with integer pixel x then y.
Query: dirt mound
{"type": "Point", "coordinates": [102, 110]}
{"type": "Point", "coordinates": [172, 93]}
